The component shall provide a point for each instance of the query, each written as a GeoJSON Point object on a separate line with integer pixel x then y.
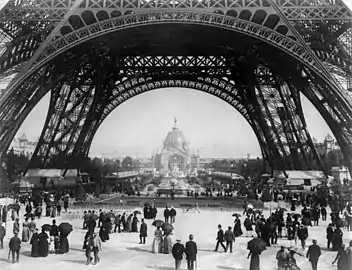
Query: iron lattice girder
{"type": "Point", "coordinates": [292, 9]}
{"type": "Point", "coordinates": [56, 10]}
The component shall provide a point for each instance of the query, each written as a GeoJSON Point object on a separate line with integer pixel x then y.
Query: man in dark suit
{"type": "Point", "coordinates": [143, 232]}
{"type": "Point", "coordinates": [166, 214]}
{"type": "Point", "coordinates": [191, 253]}
{"type": "Point", "coordinates": [2, 235]}
{"type": "Point", "coordinates": [329, 234]}
{"type": "Point", "coordinates": [229, 238]}
{"type": "Point", "coordinates": [177, 252]}
{"type": "Point", "coordinates": [313, 254]}
{"type": "Point", "coordinates": [54, 231]}
{"type": "Point", "coordinates": [15, 247]}
{"type": "Point", "coordinates": [220, 239]}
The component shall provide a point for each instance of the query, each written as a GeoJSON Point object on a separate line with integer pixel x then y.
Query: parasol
{"type": "Point", "coordinates": [256, 245]}
{"type": "Point", "coordinates": [46, 227]}
{"type": "Point", "coordinates": [296, 250]}
{"type": "Point", "coordinates": [95, 217]}
{"type": "Point", "coordinates": [249, 206]}
{"type": "Point", "coordinates": [65, 228]}
{"type": "Point", "coordinates": [137, 212]}
{"type": "Point", "coordinates": [295, 216]}
{"type": "Point", "coordinates": [158, 223]}
{"type": "Point", "coordinates": [306, 221]}
{"type": "Point", "coordinates": [236, 215]}
{"type": "Point", "coordinates": [167, 228]}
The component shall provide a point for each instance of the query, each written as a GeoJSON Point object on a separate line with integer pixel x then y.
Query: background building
{"type": "Point", "coordinates": [22, 146]}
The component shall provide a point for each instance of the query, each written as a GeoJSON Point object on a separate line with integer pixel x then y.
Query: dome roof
{"type": "Point", "coordinates": [175, 139]}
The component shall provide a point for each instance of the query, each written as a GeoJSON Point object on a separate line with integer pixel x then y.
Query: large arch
{"type": "Point", "coordinates": [63, 69]}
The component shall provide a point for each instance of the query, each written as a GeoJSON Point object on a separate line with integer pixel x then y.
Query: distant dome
{"type": "Point", "coordinates": [175, 139]}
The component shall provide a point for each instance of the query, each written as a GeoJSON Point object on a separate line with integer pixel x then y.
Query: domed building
{"type": "Point", "coordinates": [175, 154]}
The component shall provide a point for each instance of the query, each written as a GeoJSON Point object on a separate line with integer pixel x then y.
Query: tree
{"type": "Point", "coordinates": [80, 193]}
{"type": "Point", "coordinates": [127, 162]}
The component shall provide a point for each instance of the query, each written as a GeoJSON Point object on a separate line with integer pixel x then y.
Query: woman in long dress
{"type": "Point", "coordinates": [35, 244]}
{"type": "Point", "coordinates": [25, 231]}
{"type": "Point", "coordinates": [129, 223]}
{"type": "Point", "coordinates": [167, 244]}
{"type": "Point", "coordinates": [255, 261]}
{"type": "Point", "coordinates": [135, 223]}
{"type": "Point", "coordinates": [64, 245]}
{"type": "Point", "coordinates": [237, 231]}
{"type": "Point", "coordinates": [43, 244]}
{"type": "Point", "coordinates": [16, 226]}
{"type": "Point", "coordinates": [157, 242]}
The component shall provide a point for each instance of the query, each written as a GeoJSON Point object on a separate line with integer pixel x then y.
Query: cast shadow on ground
{"type": "Point", "coordinates": [75, 249]}
{"type": "Point", "coordinates": [75, 261]}
{"type": "Point", "coordinates": [160, 267]}
{"type": "Point", "coordinates": [228, 268]}
{"type": "Point", "coordinates": [5, 260]}
{"type": "Point", "coordinates": [138, 249]}
{"type": "Point", "coordinates": [26, 254]}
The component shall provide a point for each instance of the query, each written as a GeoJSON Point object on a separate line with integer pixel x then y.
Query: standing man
{"type": "Point", "coordinates": [329, 234]}
{"type": "Point", "coordinates": [143, 232]}
{"type": "Point", "coordinates": [172, 215]}
{"type": "Point", "coordinates": [229, 238]}
{"type": "Point", "coordinates": [117, 223]}
{"type": "Point", "coordinates": [313, 254]}
{"type": "Point", "coordinates": [191, 253]}
{"type": "Point", "coordinates": [2, 235]}
{"type": "Point", "coordinates": [97, 247]}
{"type": "Point", "coordinates": [166, 214]}
{"type": "Point", "coordinates": [15, 247]}
{"type": "Point", "coordinates": [177, 252]}
{"type": "Point", "coordinates": [220, 239]}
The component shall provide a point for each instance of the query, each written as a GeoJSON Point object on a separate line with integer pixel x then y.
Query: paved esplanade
{"type": "Point", "coordinates": [256, 55]}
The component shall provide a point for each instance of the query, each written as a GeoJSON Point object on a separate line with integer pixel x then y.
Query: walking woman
{"type": "Point", "coordinates": [157, 242]}
{"type": "Point", "coordinates": [25, 231]}
{"type": "Point", "coordinates": [255, 261]}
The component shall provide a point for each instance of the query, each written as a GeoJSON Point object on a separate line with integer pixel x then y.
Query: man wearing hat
{"type": "Point", "coordinates": [15, 247]}
{"type": "Point", "coordinates": [177, 252]}
{"type": "Point", "coordinates": [191, 253]}
{"type": "Point", "coordinates": [313, 254]}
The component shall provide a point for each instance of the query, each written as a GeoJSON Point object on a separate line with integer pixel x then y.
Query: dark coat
{"type": "Point", "coordinates": [144, 230]}
{"type": "Point", "coordinates": [237, 230]}
{"type": "Point", "coordinates": [54, 231]}
{"type": "Point", "coordinates": [191, 251]}
{"type": "Point", "coordinates": [166, 213]}
{"type": "Point", "coordinates": [229, 236]}
{"type": "Point", "coordinates": [15, 243]}
{"type": "Point", "coordinates": [220, 237]}
{"type": "Point", "coordinates": [2, 232]}
{"type": "Point", "coordinates": [64, 245]}
{"type": "Point", "coordinates": [43, 245]}
{"type": "Point", "coordinates": [313, 253]}
{"type": "Point", "coordinates": [302, 233]}
{"type": "Point", "coordinates": [177, 251]}
{"type": "Point", "coordinates": [172, 212]}
{"type": "Point", "coordinates": [35, 245]}
{"type": "Point", "coordinates": [329, 233]}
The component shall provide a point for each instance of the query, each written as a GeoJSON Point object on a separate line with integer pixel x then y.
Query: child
{"type": "Point", "coordinates": [57, 244]}
{"type": "Point", "coordinates": [51, 245]}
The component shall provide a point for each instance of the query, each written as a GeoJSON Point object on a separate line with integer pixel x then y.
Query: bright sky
{"type": "Point", "coordinates": [139, 126]}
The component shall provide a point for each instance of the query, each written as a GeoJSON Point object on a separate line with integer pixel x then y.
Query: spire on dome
{"type": "Point", "coordinates": [175, 122]}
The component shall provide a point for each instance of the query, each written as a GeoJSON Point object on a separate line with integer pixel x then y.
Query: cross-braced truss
{"type": "Point", "coordinates": [42, 41]}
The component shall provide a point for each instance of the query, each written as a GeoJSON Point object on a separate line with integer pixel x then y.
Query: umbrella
{"type": "Point", "coordinates": [158, 223]}
{"type": "Point", "coordinates": [296, 216]}
{"type": "Point", "coordinates": [65, 228]}
{"type": "Point", "coordinates": [95, 217]}
{"type": "Point", "coordinates": [167, 228]}
{"type": "Point", "coordinates": [46, 227]}
{"type": "Point", "coordinates": [296, 250]}
{"type": "Point", "coordinates": [249, 206]}
{"type": "Point", "coordinates": [236, 215]}
{"type": "Point", "coordinates": [137, 212]}
{"type": "Point", "coordinates": [256, 245]}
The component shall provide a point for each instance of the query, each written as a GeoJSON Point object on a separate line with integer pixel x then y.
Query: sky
{"type": "Point", "coordinates": [138, 127]}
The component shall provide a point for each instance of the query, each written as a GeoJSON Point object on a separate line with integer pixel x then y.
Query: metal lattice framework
{"type": "Point", "coordinates": [85, 53]}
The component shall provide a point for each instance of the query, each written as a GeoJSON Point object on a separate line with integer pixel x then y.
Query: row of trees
{"type": "Point", "coordinates": [15, 165]}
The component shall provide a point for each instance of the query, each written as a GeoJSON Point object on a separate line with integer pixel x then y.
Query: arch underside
{"type": "Point", "coordinates": [88, 81]}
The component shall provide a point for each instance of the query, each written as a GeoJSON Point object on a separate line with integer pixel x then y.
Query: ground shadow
{"type": "Point", "coordinates": [75, 261]}
{"type": "Point", "coordinates": [75, 249]}
{"type": "Point", "coordinates": [5, 260]}
{"type": "Point", "coordinates": [228, 268]}
{"type": "Point", "coordinates": [138, 249]}
{"type": "Point", "coordinates": [161, 267]}
{"type": "Point", "coordinates": [26, 254]}
{"type": "Point", "coordinates": [210, 250]}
